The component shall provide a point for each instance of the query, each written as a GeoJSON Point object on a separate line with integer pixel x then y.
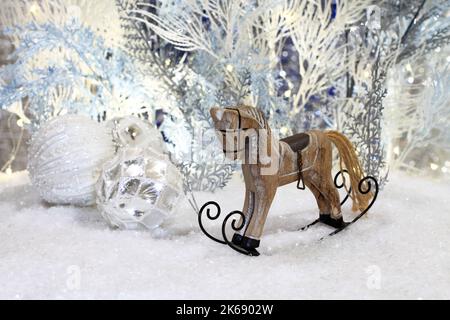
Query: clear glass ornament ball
{"type": "Point", "coordinates": [138, 188]}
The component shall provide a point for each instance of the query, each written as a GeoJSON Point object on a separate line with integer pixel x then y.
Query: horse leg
{"type": "Point", "coordinates": [319, 200]}
{"type": "Point", "coordinates": [249, 207]}
{"type": "Point", "coordinates": [331, 195]}
{"type": "Point", "coordinates": [327, 199]}
{"type": "Point", "coordinates": [254, 229]}
{"type": "Point", "coordinates": [323, 205]}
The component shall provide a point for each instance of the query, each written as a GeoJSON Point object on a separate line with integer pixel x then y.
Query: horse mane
{"type": "Point", "coordinates": [256, 114]}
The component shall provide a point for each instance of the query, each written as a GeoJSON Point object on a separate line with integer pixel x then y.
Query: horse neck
{"type": "Point", "coordinates": [270, 137]}
{"type": "Point", "coordinates": [270, 140]}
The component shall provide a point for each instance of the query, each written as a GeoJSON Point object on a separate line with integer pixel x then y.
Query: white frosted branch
{"type": "Point", "coordinates": [315, 37]}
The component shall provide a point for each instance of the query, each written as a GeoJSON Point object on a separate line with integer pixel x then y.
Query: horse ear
{"type": "Point", "coordinates": [247, 100]}
{"type": "Point", "coordinates": [216, 114]}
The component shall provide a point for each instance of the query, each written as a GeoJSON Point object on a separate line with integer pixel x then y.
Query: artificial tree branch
{"type": "Point", "coordinates": [411, 23]}
{"type": "Point", "coordinates": [168, 80]}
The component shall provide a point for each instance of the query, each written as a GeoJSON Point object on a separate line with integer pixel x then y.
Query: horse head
{"type": "Point", "coordinates": [238, 129]}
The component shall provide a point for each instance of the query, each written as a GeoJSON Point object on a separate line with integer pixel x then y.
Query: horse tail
{"type": "Point", "coordinates": [349, 159]}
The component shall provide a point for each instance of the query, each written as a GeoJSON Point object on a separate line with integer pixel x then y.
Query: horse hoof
{"type": "Point", "coordinates": [253, 252]}
{"type": "Point", "coordinates": [335, 223]}
{"type": "Point", "coordinates": [237, 239]}
{"type": "Point", "coordinates": [249, 245]}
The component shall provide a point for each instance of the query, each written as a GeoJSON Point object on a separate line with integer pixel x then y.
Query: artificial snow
{"type": "Point", "coordinates": [399, 251]}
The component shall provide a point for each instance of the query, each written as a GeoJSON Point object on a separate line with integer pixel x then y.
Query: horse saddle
{"type": "Point", "coordinates": [297, 143]}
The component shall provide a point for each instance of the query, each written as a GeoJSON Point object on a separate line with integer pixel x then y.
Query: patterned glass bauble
{"type": "Point", "coordinates": [138, 188]}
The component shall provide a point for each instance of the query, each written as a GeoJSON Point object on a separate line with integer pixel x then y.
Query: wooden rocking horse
{"type": "Point", "coordinates": [267, 163]}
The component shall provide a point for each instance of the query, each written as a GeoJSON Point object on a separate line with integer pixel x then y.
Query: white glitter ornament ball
{"type": "Point", "coordinates": [65, 159]}
{"type": "Point", "coordinates": [138, 188]}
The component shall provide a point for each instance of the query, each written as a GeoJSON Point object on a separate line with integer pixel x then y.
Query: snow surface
{"type": "Point", "coordinates": [401, 250]}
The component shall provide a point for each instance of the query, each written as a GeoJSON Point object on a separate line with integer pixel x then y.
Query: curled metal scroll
{"type": "Point", "coordinates": [342, 174]}
{"type": "Point", "coordinates": [210, 217]}
{"type": "Point", "coordinates": [364, 187]}
{"type": "Point", "coordinates": [207, 208]}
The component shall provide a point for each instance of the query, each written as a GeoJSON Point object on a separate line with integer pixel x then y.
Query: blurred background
{"type": "Point", "coordinates": [376, 70]}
